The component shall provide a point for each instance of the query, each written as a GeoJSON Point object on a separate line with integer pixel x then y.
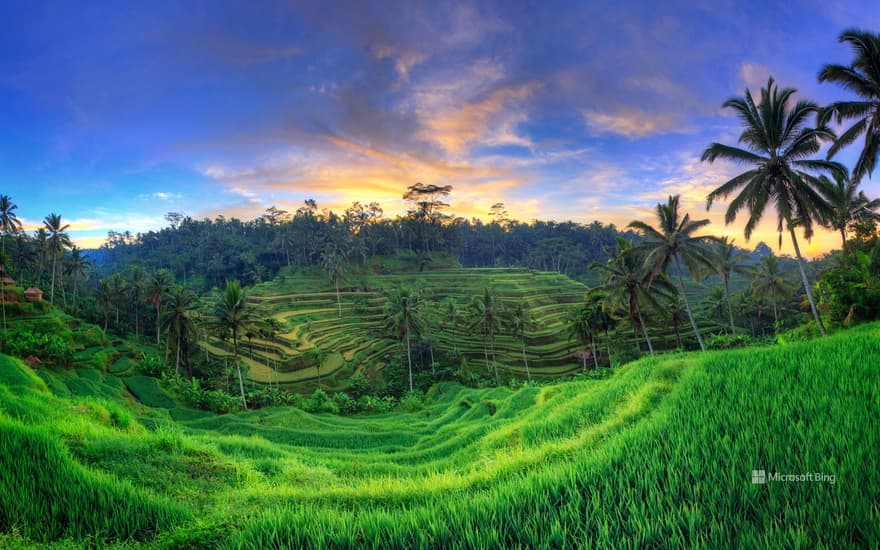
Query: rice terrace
{"type": "Point", "coordinates": [440, 275]}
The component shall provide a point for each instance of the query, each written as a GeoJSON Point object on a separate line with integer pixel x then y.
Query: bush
{"type": "Point", "coordinates": [414, 401]}
{"type": "Point", "coordinates": [345, 403]}
{"type": "Point", "coordinates": [727, 341]}
{"type": "Point", "coordinates": [48, 347]}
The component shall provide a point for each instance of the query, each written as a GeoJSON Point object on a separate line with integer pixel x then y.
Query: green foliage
{"type": "Point", "coordinates": [48, 347]}
{"type": "Point", "coordinates": [728, 341]}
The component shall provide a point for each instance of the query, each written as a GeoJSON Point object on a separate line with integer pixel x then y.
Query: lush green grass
{"type": "Point", "coordinates": [658, 455]}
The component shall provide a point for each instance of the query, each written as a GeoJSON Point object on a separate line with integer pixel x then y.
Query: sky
{"type": "Point", "coordinates": [113, 114]}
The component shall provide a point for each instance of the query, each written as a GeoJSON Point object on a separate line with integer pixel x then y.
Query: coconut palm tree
{"type": "Point", "coordinates": [778, 145]}
{"type": "Point", "coordinates": [519, 321]}
{"type": "Point", "coordinates": [136, 289]}
{"type": "Point", "coordinates": [333, 261]}
{"type": "Point", "coordinates": [179, 322]}
{"type": "Point", "coordinates": [625, 278]}
{"type": "Point", "coordinates": [449, 317]}
{"type": "Point", "coordinates": [404, 315]}
{"type": "Point", "coordinates": [9, 223]}
{"type": "Point", "coordinates": [862, 76]}
{"type": "Point", "coordinates": [158, 285]}
{"type": "Point", "coordinates": [104, 300]}
{"type": "Point", "coordinates": [768, 280]}
{"type": "Point", "coordinates": [727, 260]}
{"type": "Point", "coordinates": [230, 315]}
{"type": "Point", "coordinates": [579, 322]}
{"type": "Point", "coordinates": [848, 204]}
{"type": "Point", "coordinates": [118, 289]}
{"type": "Point", "coordinates": [58, 242]}
{"type": "Point", "coordinates": [486, 314]}
{"type": "Point", "coordinates": [77, 267]}
{"type": "Point", "coordinates": [674, 241]}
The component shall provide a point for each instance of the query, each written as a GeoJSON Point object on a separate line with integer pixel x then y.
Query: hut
{"type": "Point", "coordinates": [33, 294]}
{"type": "Point", "coordinates": [7, 280]}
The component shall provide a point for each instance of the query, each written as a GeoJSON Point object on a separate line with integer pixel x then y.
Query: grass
{"type": "Point", "coordinates": [660, 454]}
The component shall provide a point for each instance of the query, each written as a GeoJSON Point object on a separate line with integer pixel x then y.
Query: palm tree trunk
{"type": "Point", "coordinates": [595, 355]}
{"type": "Point", "coordinates": [409, 361]}
{"type": "Point", "coordinates": [729, 305]}
{"type": "Point", "coordinates": [431, 348]}
{"type": "Point", "coordinates": [177, 359]}
{"type": "Point", "coordinates": [158, 305]}
{"type": "Point", "coordinates": [494, 361]}
{"type": "Point", "coordinates": [644, 329]}
{"type": "Point", "coordinates": [486, 356]}
{"type": "Point", "coordinates": [677, 333]}
{"type": "Point", "coordinates": [797, 251]}
{"type": "Point", "coordinates": [584, 359]}
{"type": "Point", "coordinates": [525, 360]}
{"type": "Point", "coordinates": [338, 301]}
{"type": "Point", "coordinates": [238, 368]}
{"type": "Point", "coordinates": [608, 346]}
{"type": "Point", "coordinates": [843, 236]}
{"type": "Point", "coordinates": [775, 309]}
{"type": "Point", "coordinates": [687, 306]}
{"type": "Point", "coordinates": [52, 292]}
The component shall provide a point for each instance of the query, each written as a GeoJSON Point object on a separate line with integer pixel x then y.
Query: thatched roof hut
{"type": "Point", "coordinates": [33, 294]}
{"type": "Point", "coordinates": [7, 280]}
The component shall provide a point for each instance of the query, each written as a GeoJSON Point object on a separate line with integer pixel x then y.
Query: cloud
{"type": "Point", "coordinates": [632, 123]}
{"type": "Point", "coordinates": [491, 120]}
{"type": "Point", "coordinates": [160, 195]}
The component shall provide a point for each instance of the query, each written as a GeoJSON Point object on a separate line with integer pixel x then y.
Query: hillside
{"type": "Point", "coordinates": [305, 306]}
{"type": "Point", "coordinates": [315, 336]}
{"type": "Point", "coordinates": [659, 454]}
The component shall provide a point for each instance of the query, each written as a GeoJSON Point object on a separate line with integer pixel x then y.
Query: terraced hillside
{"type": "Point", "coordinates": [313, 331]}
{"type": "Point", "coordinates": [660, 454]}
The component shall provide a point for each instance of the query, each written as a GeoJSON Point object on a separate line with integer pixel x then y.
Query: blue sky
{"type": "Point", "coordinates": [113, 115]}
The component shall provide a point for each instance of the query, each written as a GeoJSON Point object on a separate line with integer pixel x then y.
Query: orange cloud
{"type": "Point", "coordinates": [457, 127]}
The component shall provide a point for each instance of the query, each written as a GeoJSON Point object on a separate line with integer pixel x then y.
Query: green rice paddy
{"type": "Point", "coordinates": [661, 454]}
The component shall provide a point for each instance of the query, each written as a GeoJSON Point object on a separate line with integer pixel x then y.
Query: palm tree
{"type": "Point", "coordinates": [118, 292]}
{"type": "Point", "coordinates": [404, 315]}
{"type": "Point", "coordinates": [778, 144]}
{"type": "Point", "coordinates": [58, 241]}
{"type": "Point", "coordinates": [714, 304]}
{"type": "Point", "coordinates": [77, 266]}
{"type": "Point", "coordinates": [769, 281]}
{"type": "Point", "coordinates": [519, 321]}
{"type": "Point", "coordinates": [862, 76]}
{"type": "Point", "coordinates": [333, 261]}
{"type": "Point", "coordinates": [580, 328]}
{"type": "Point", "coordinates": [848, 204]}
{"type": "Point", "coordinates": [42, 240]}
{"type": "Point", "coordinates": [672, 242]}
{"type": "Point", "coordinates": [625, 278]}
{"type": "Point", "coordinates": [450, 312]}
{"type": "Point", "coordinates": [676, 314]}
{"type": "Point", "coordinates": [232, 315]}
{"type": "Point", "coordinates": [136, 289]}
{"type": "Point", "coordinates": [104, 300]}
{"type": "Point", "coordinates": [486, 316]}
{"type": "Point", "coordinates": [9, 223]}
{"type": "Point", "coordinates": [727, 260]}
{"type": "Point", "coordinates": [179, 322]}
{"type": "Point", "coordinates": [158, 285]}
